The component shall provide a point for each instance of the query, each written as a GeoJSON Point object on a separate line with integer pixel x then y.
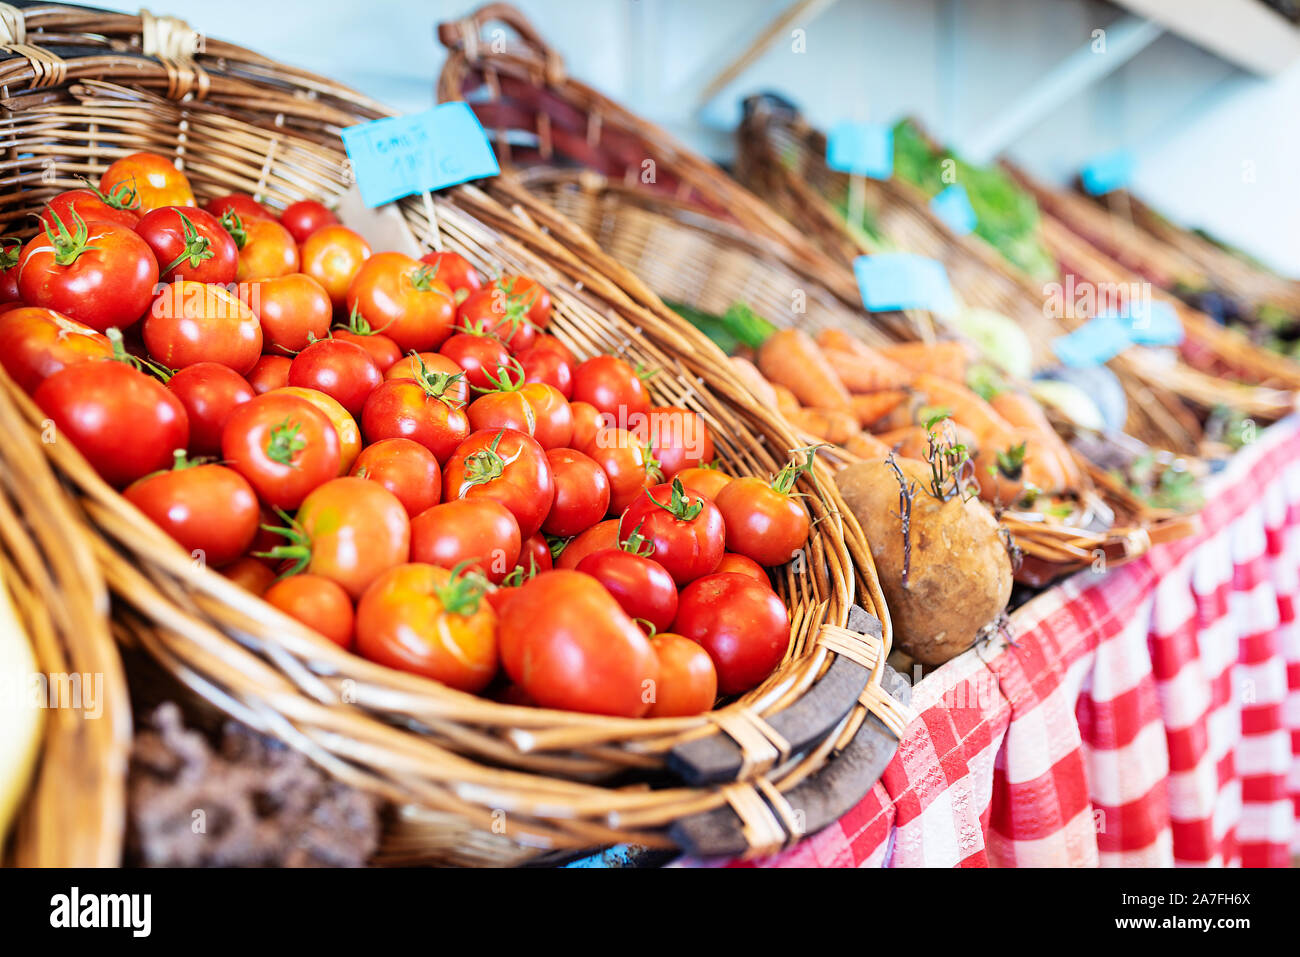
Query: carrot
{"type": "Point", "coordinates": [947, 360]}
{"type": "Point", "coordinates": [842, 341]}
{"type": "Point", "coordinates": [785, 400]}
{"type": "Point", "coordinates": [911, 442]}
{"type": "Point", "coordinates": [791, 358]}
{"type": "Point", "coordinates": [966, 408]}
{"type": "Point", "coordinates": [866, 370]}
{"type": "Point", "coordinates": [758, 386]}
{"type": "Point", "coordinates": [866, 446]}
{"type": "Point", "coordinates": [833, 425]}
{"type": "Point", "coordinates": [1023, 412]}
{"type": "Point", "coordinates": [871, 407]}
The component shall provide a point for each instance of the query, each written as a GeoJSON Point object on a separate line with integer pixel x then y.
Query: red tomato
{"type": "Point", "coordinates": [405, 468]}
{"type": "Point", "coordinates": [535, 408]}
{"type": "Point", "coordinates": [481, 357]}
{"type": "Point", "coordinates": [270, 372]}
{"type": "Point", "coordinates": [624, 460]}
{"type": "Point", "coordinates": [548, 342]}
{"type": "Point", "coordinates": [505, 466]}
{"type": "Point", "coordinates": [340, 369]}
{"type": "Point", "coordinates": [641, 586]}
{"type": "Point", "coordinates": [535, 555]}
{"type": "Point", "coordinates": [100, 274]}
{"type": "Point", "coordinates": [547, 365]}
{"type": "Point", "coordinates": [678, 438]}
{"type": "Point", "coordinates": [587, 420]}
{"type": "Point", "coordinates": [209, 509]}
{"type": "Point", "coordinates": [613, 387]}
{"type": "Point", "coordinates": [293, 310]}
{"type": "Point", "coordinates": [345, 427]}
{"type": "Point", "coordinates": [502, 409]}
{"type": "Point", "coordinates": [581, 493]}
{"type": "Point", "coordinates": [125, 423]}
{"type": "Point", "coordinates": [454, 270]}
{"type": "Point", "coordinates": [209, 391]}
{"type": "Point", "coordinates": [740, 565]}
{"type": "Point", "coordinates": [122, 208]}
{"type": "Point", "coordinates": [491, 312]}
{"type": "Point", "coordinates": [194, 322]}
{"type": "Point", "coordinates": [741, 624]}
{"type": "Point", "coordinates": [36, 343]}
{"type": "Point", "coordinates": [423, 409]}
{"type": "Point", "coordinates": [305, 217]}
{"type": "Point", "coordinates": [598, 537]}
{"type": "Point", "coordinates": [241, 204]}
{"type": "Point", "coordinates": [155, 179]}
{"type": "Point", "coordinates": [427, 620]}
{"type": "Point", "coordinates": [479, 531]}
{"type": "Point", "coordinates": [382, 349]}
{"type": "Point", "coordinates": [704, 481]}
{"type": "Point", "coordinates": [189, 244]}
{"type": "Point", "coordinates": [417, 365]}
{"type": "Point", "coordinates": [398, 296]}
{"type": "Point", "coordinates": [10, 251]}
{"type": "Point", "coordinates": [766, 522]}
{"type": "Point", "coordinates": [318, 603]}
{"type": "Point", "coordinates": [266, 250]}
{"type": "Point", "coordinates": [283, 445]}
{"type": "Point", "coordinates": [250, 574]}
{"type": "Point", "coordinates": [350, 531]}
{"type": "Point", "coordinates": [687, 531]}
{"type": "Point", "coordinates": [520, 291]}
{"type": "Point", "coordinates": [688, 682]}
{"type": "Point", "coordinates": [332, 255]}
{"type": "Point", "coordinates": [569, 645]}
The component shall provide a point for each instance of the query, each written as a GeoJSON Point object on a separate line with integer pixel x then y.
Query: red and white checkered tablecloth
{"type": "Point", "coordinates": [1148, 716]}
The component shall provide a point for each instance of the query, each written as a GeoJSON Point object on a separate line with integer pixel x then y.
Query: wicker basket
{"type": "Point", "coordinates": [479, 782]}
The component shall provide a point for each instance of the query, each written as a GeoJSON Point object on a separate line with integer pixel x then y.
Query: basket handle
{"type": "Point", "coordinates": [466, 36]}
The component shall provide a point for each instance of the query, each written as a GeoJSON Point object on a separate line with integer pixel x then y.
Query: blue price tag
{"type": "Point", "coordinates": [1155, 323]}
{"type": "Point", "coordinates": [890, 281]}
{"type": "Point", "coordinates": [863, 149]}
{"type": "Point", "coordinates": [401, 155]}
{"type": "Point", "coordinates": [1108, 172]}
{"type": "Point", "coordinates": [952, 205]}
{"type": "Point", "coordinates": [1098, 340]}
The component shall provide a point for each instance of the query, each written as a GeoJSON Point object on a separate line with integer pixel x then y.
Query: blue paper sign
{"type": "Point", "coordinates": [401, 155]}
{"type": "Point", "coordinates": [1100, 339]}
{"type": "Point", "coordinates": [952, 205]}
{"type": "Point", "coordinates": [1108, 172]}
{"type": "Point", "coordinates": [1155, 323]}
{"type": "Point", "coordinates": [863, 149]}
{"type": "Point", "coordinates": [890, 281]}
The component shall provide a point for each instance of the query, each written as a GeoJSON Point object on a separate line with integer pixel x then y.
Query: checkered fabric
{"type": "Point", "coordinates": [1147, 716]}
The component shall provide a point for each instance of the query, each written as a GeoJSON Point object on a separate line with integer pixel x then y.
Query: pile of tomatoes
{"type": "Point", "coordinates": [395, 451]}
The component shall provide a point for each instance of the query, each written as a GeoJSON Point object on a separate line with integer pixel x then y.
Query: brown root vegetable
{"type": "Point", "coordinates": [947, 576]}
{"type": "Point", "coordinates": [791, 358]}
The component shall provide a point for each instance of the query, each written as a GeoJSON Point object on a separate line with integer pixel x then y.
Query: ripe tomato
{"type": "Point", "coordinates": [535, 408]}
{"type": "Point", "coordinates": [399, 296]}
{"type": "Point", "coordinates": [423, 409]}
{"type": "Point", "coordinates": [479, 531]}
{"type": "Point", "coordinates": [678, 438]}
{"type": "Point", "coordinates": [569, 645]}
{"type": "Point", "coordinates": [481, 357]}
{"type": "Point", "coordinates": [305, 217]}
{"type": "Point", "coordinates": [10, 251]}
{"type": "Point", "coordinates": [612, 386]}
{"type": "Point", "coordinates": [523, 292]}
{"type": "Point", "coordinates": [270, 372]}
{"type": "Point", "coordinates": [122, 208]}
{"type": "Point", "coordinates": [641, 586]}
{"type": "Point", "coordinates": [766, 522]}
{"type": "Point", "coordinates": [209, 509]}
{"type": "Point", "coordinates": [266, 250]}
{"type": "Point", "coordinates": [432, 622]}
{"type": "Point", "coordinates": [293, 310]}
{"type": "Point", "coordinates": [547, 341]}
{"type": "Point", "coordinates": [332, 255]}
{"type": "Point", "coordinates": [283, 445]}
{"type": "Point", "coordinates": [535, 556]}
{"type": "Point", "coordinates": [491, 312]}
{"type": "Point", "coordinates": [740, 565]}
{"type": "Point", "coordinates": [581, 493]}
{"type": "Point", "coordinates": [688, 682]}
{"type": "Point", "coordinates": [194, 322]}
{"type": "Point", "coordinates": [250, 574]}
{"type": "Point", "coordinates": [405, 468]}
{"type": "Point", "coordinates": [502, 409]}
{"type": "Point", "coordinates": [100, 274]}
{"type": "Point", "coordinates": [125, 423]}
{"type": "Point", "coordinates": [318, 603]}
{"type": "Point", "coordinates": [241, 204]}
{"type": "Point", "coordinates": [416, 365]}
{"type": "Point", "coordinates": [544, 364]}
{"type": "Point", "coordinates": [704, 481]}
{"type": "Point", "coordinates": [506, 466]}
{"type": "Point", "coordinates": [345, 427]}
{"type": "Point", "coordinates": [36, 343]}
{"type": "Point", "coordinates": [340, 369]}
{"type": "Point", "coordinates": [597, 538]}
{"type": "Point", "coordinates": [626, 466]}
{"type": "Point", "coordinates": [382, 349]}
{"type": "Point", "coordinates": [348, 530]}
{"type": "Point", "coordinates": [687, 531]}
{"type": "Point", "coordinates": [155, 179]}
{"type": "Point", "coordinates": [189, 244]}
{"type": "Point", "coordinates": [587, 420]}
{"type": "Point", "coordinates": [741, 624]}
{"type": "Point", "coordinates": [209, 391]}
{"type": "Point", "coordinates": [454, 270]}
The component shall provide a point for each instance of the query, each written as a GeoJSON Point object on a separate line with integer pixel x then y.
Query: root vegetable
{"type": "Point", "coordinates": [791, 358]}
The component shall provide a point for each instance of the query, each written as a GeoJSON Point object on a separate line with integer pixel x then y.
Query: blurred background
{"type": "Point", "coordinates": [1203, 94]}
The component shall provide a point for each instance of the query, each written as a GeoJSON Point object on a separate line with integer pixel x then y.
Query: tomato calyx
{"type": "Point", "coordinates": [139, 364]}
{"type": "Point", "coordinates": [423, 278]}
{"type": "Point", "coordinates": [557, 544]}
{"type": "Point", "coordinates": [9, 252]}
{"type": "Point", "coordinates": [504, 382]}
{"type": "Point", "coordinates": [518, 576]}
{"type": "Point", "coordinates": [653, 467]}
{"type": "Point", "coordinates": [637, 544]}
{"type": "Point", "coordinates": [122, 196]}
{"type": "Point", "coordinates": [644, 373]}
{"type": "Point", "coordinates": [784, 480]}
{"type": "Point", "coordinates": [435, 384]}
{"type": "Point", "coordinates": [359, 325]}
{"type": "Point", "coordinates": [232, 224]}
{"type": "Point", "coordinates": [286, 441]}
{"type": "Point", "coordinates": [483, 466]}
{"type": "Point", "coordinates": [298, 550]}
{"type": "Point", "coordinates": [197, 247]}
{"type": "Point", "coordinates": [680, 506]}
{"type": "Point", "coordinates": [68, 245]}
{"type": "Point", "coordinates": [464, 591]}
